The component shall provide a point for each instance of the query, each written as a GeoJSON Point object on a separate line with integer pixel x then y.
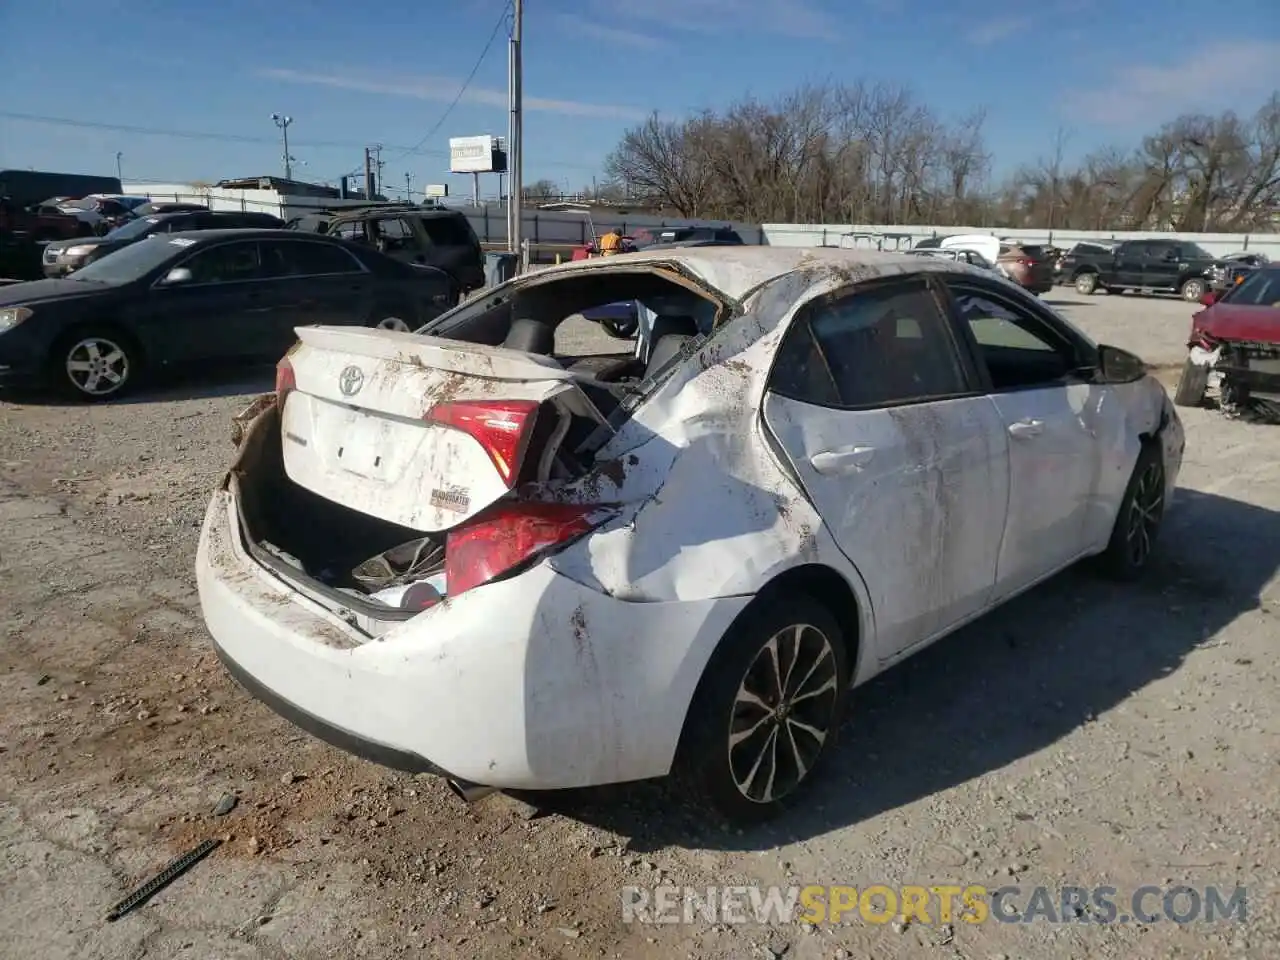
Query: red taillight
{"type": "Point", "coordinates": [1026, 262]}
{"type": "Point", "coordinates": [285, 380]}
{"type": "Point", "coordinates": [508, 534]}
{"type": "Point", "coordinates": [502, 427]}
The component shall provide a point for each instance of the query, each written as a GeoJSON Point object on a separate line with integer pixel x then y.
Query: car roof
{"type": "Point", "coordinates": [738, 269]}
{"type": "Point", "coordinates": [247, 233]}
{"type": "Point", "coordinates": [362, 213]}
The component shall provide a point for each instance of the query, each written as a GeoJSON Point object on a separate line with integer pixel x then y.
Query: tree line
{"type": "Point", "coordinates": [875, 154]}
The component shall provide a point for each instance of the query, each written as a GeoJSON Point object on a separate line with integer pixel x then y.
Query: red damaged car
{"type": "Point", "coordinates": [1235, 347]}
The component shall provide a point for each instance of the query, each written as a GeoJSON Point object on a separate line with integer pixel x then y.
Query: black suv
{"type": "Point", "coordinates": [433, 237]}
{"type": "Point", "coordinates": [64, 256]}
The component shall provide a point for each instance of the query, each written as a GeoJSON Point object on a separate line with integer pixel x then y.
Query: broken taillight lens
{"type": "Point", "coordinates": [509, 534]}
{"type": "Point", "coordinates": [285, 380]}
{"type": "Point", "coordinates": [502, 427]}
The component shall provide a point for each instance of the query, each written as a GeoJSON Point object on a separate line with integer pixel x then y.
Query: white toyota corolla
{"type": "Point", "coordinates": [462, 551]}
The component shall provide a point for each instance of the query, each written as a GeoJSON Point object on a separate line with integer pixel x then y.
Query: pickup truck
{"type": "Point", "coordinates": [1149, 266]}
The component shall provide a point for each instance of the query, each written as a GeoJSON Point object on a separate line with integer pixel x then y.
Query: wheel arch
{"type": "Point", "coordinates": [830, 588]}
{"type": "Point", "coordinates": [59, 344]}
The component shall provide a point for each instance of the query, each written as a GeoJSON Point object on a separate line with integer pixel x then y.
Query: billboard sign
{"type": "Point", "coordinates": [472, 154]}
{"type": "Point", "coordinates": [437, 190]}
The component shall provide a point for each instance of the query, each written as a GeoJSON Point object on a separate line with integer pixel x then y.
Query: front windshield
{"type": "Point", "coordinates": [1261, 289]}
{"type": "Point", "coordinates": [131, 263]}
{"type": "Point", "coordinates": [133, 229]}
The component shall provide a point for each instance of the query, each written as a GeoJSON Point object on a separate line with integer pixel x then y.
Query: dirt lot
{"type": "Point", "coordinates": [1087, 734]}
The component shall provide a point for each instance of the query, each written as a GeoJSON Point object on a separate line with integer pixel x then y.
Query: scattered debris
{"type": "Point", "coordinates": [174, 869]}
{"type": "Point", "coordinates": [225, 804]}
{"type": "Point", "coordinates": [45, 678]}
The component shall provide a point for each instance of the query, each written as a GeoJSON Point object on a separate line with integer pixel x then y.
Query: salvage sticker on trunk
{"type": "Point", "coordinates": [457, 499]}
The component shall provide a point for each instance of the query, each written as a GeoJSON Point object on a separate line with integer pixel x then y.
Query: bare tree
{"type": "Point", "coordinates": [873, 153]}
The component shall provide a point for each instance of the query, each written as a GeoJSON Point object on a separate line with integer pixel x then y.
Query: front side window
{"type": "Point", "coordinates": [228, 263]}
{"type": "Point", "coordinates": [879, 347]}
{"type": "Point", "coordinates": [1019, 348]}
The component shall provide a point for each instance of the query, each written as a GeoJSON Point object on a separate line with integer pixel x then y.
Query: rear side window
{"type": "Point", "coordinates": [1033, 250]}
{"type": "Point", "coordinates": [879, 347]}
{"type": "Point", "coordinates": [315, 259]}
{"type": "Point", "coordinates": [800, 371]}
{"type": "Point", "coordinates": [448, 232]}
{"type": "Point", "coordinates": [353, 232]}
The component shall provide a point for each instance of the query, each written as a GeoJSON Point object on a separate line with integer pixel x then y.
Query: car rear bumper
{"type": "Point", "coordinates": [566, 687]}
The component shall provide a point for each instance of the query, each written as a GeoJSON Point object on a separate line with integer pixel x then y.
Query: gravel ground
{"type": "Point", "coordinates": [1085, 734]}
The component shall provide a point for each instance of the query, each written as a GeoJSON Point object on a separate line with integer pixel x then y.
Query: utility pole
{"type": "Point", "coordinates": [515, 140]}
{"type": "Point", "coordinates": [377, 161]}
{"type": "Point", "coordinates": [408, 191]}
{"type": "Point", "coordinates": [283, 123]}
{"type": "Point", "coordinates": [119, 175]}
{"type": "Point", "coordinates": [368, 174]}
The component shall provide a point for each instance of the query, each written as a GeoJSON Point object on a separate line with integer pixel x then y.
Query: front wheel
{"type": "Point", "coordinates": [766, 711]}
{"type": "Point", "coordinates": [1086, 283]}
{"type": "Point", "coordinates": [1192, 385]}
{"type": "Point", "coordinates": [1192, 290]}
{"type": "Point", "coordinates": [1139, 518]}
{"type": "Point", "coordinates": [392, 323]}
{"type": "Point", "coordinates": [95, 364]}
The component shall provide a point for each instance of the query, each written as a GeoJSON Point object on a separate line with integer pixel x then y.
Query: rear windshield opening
{"type": "Point", "coordinates": [532, 314]}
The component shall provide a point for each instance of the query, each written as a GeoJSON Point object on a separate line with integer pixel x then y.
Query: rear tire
{"type": "Point", "coordinates": [1086, 283]}
{"type": "Point", "coordinates": [751, 744]}
{"type": "Point", "coordinates": [1192, 385]}
{"type": "Point", "coordinates": [1139, 518]}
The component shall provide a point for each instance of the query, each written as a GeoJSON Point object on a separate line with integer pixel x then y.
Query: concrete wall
{"type": "Point", "coordinates": [816, 235]}
{"type": "Point", "coordinates": [564, 228]}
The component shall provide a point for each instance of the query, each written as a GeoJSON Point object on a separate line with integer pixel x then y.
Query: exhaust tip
{"type": "Point", "coordinates": [469, 792]}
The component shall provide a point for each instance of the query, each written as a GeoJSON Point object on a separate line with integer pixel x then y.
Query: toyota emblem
{"type": "Point", "coordinates": [350, 380]}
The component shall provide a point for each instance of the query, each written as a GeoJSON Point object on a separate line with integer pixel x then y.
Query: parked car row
{"type": "Point", "coordinates": [1030, 266]}
{"type": "Point", "coordinates": [193, 296]}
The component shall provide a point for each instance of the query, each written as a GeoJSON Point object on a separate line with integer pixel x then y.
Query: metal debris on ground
{"type": "Point", "coordinates": [174, 869]}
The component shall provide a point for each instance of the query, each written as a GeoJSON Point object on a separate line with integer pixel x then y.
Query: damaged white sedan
{"type": "Point", "coordinates": [460, 551]}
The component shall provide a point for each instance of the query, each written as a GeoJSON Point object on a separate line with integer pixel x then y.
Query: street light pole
{"type": "Point", "coordinates": [515, 145]}
{"type": "Point", "coordinates": [408, 192]}
{"type": "Point", "coordinates": [119, 175]}
{"type": "Point", "coordinates": [283, 123]}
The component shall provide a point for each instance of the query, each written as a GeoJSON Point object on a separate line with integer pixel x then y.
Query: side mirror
{"type": "Point", "coordinates": [1119, 366]}
{"type": "Point", "coordinates": [1209, 299]}
{"type": "Point", "coordinates": [177, 275]}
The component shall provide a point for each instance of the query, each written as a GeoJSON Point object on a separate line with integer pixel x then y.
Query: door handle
{"type": "Point", "coordinates": [844, 460]}
{"type": "Point", "coordinates": [1026, 429]}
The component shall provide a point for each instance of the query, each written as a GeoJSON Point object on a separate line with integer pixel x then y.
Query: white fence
{"type": "Point", "coordinates": [828, 234]}
{"type": "Point", "coordinates": [556, 228]}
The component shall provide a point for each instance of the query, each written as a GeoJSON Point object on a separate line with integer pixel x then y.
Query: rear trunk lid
{"type": "Point", "coordinates": [420, 431]}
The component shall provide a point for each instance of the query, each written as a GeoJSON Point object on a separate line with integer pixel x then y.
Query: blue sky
{"type": "Point", "coordinates": [350, 74]}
